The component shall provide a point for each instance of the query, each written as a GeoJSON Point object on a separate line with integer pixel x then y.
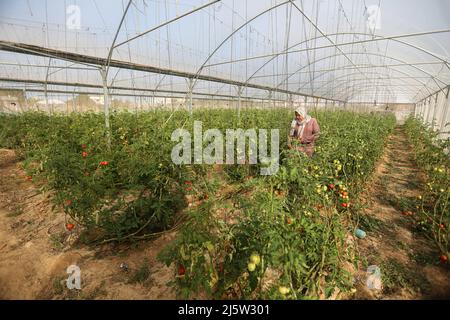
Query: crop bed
{"type": "Point", "coordinates": [241, 234]}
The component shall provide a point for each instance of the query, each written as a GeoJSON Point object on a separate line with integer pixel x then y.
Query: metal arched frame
{"type": "Point", "coordinates": [364, 87]}
{"type": "Point", "coordinates": [373, 54]}
{"type": "Point", "coordinates": [339, 86]}
{"type": "Point", "coordinates": [353, 80]}
{"type": "Point", "coordinates": [378, 38]}
{"type": "Point", "coordinates": [390, 68]}
{"type": "Point", "coordinates": [194, 82]}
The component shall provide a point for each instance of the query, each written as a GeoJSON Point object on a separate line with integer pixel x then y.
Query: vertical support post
{"type": "Point", "coordinates": [46, 96]}
{"type": "Point", "coordinates": [191, 83]}
{"type": "Point", "coordinates": [427, 120]}
{"type": "Point", "coordinates": [433, 121]}
{"type": "Point", "coordinates": [26, 100]}
{"type": "Point", "coordinates": [422, 109]}
{"type": "Point", "coordinates": [239, 102]}
{"type": "Point", "coordinates": [446, 112]}
{"type": "Point", "coordinates": [270, 99]}
{"type": "Point", "coordinates": [106, 104]}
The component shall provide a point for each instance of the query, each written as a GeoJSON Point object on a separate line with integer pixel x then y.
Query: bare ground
{"type": "Point", "coordinates": [36, 249]}
{"type": "Point", "coordinates": [409, 261]}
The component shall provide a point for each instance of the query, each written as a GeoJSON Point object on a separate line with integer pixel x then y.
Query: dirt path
{"type": "Point", "coordinates": [409, 262]}
{"type": "Point", "coordinates": [35, 251]}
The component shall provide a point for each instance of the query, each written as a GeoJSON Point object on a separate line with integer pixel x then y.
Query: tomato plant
{"type": "Point", "coordinates": [431, 154]}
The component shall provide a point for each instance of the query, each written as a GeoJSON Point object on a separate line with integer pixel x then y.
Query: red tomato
{"type": "Point", "coordinates": [331, 186]}
{"type": "Point", "coordinates": [104, 163]}
{"type": "Point", "coordinates": [289, 221]}
{"type": "Point", "coordinates": [84, 154]}
{"type": "Point", "coordinates": [181, 270]}
{"type": "Point", "coordinates": [68, 202]}
{"type": "Point", "coordinates": [70, 226]}
{"type": "Point", "coordinates": [443, 258]}
{"type": "Point", "coordinates": [345, 205]}
{"type": "Point", "coordinates": [442, 226]}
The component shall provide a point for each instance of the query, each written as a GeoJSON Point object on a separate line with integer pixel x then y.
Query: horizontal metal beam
{"type": "Point", "coordinates": [4, 63]}
{"type": "Point", "coordinates": [120, 88]}
{"type": "Point", "coordinates": [68, 92]}
{"type": "Point", "coordinates": [81, 58]}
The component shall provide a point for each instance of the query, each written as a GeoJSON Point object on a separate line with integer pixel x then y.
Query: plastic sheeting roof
{"type": "Point", "coordinates": [348, 50]}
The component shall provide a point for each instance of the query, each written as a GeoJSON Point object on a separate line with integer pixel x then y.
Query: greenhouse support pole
{"type": "Point", "coordinates": [191, 83]}
{"type": "Point", "coordinates": [106, 104]}
{"type": "Point", "coordinates": [427, 120]}
{"type": "Point", "coordinates": [73, 102]}
{"type": "Point", "coordinates": [445, 115]}
{"type": "Point", "coordinates": [433, 121]}
{"type": "Point", "coordinates": [239, 102]}
{"type": "Point", "coordinates": [421, 109]}
{"type": "Point", "coordinates": [270, 99]}
{"type": "Point", "coordinates": [26, 100]}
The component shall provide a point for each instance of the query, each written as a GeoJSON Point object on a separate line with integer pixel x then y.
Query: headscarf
{"type": "Point", "coordinates": [306, 118]}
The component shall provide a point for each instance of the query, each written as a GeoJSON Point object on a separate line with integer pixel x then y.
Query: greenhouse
{"type": "Point", "coordinates": [224, 149]}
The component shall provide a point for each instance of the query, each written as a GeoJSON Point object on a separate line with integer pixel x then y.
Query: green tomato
{"type": "Point", "coordinates": [251, 267]}
{"type": "Point", "coordinates": [255, 258]}
{"type": "Point", "coordinates": [283, 290]}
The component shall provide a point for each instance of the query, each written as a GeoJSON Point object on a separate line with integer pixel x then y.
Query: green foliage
{"type": "Point", "coordinates": [431, 154]}
{"type": "Point", "coordinates": [296, 221]}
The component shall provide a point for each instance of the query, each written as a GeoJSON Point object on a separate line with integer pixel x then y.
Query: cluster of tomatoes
{"type": "Point", "coordinates": [255, 259]}
{"type": "Point", "coordinates": [188, 185]}
{"type": "Point", "coordinates": [341, 191]}
{"type": "Point", "coordinates": [85, 154]}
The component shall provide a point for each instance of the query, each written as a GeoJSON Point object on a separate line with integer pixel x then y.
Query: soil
{"type": "Point", "coordinates": [408, 261]}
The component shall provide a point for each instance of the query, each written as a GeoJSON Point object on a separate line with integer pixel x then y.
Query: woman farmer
{"type": "Point", "coordinates": [305, 130]}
